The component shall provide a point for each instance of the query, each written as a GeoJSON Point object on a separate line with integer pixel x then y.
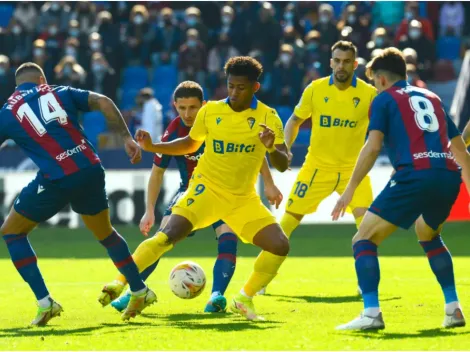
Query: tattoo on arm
{"type": "Point", "coordinates": [113, 116]}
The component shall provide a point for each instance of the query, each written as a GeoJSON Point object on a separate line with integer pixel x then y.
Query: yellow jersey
{"type": "Point", "coordinates": [233, 154]}
{"type": "Point", "coordinates": [339, 122]}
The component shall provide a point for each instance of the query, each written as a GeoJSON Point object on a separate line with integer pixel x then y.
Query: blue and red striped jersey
{"type": "Point", "coordinates": [43, 121]}
{"type": "Point", "coordinates": [186, 163]}
{"type": "Point", "coordinates": [417, 130]}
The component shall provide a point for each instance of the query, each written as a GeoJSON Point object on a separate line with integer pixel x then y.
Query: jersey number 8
{"type": "Point", "coordinates": [425, 115]}
{"type": "Point", "coordinates": [50, 110]}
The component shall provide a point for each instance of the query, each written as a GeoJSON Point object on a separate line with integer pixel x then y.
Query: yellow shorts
{"type": "Point", "coordinates": [203, 204]}
{"type": "Point", "coordinates": [313, 186]}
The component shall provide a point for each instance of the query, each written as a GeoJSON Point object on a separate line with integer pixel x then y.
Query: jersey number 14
{"type": "Point", "coordinates": [50, 111]}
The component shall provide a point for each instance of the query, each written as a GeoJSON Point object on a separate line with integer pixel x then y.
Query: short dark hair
{"type": "Point", "coordinates": [188, 89]}
{"type": "Point", "coordinates": [28, 68]}
{"type": "Point", "coordinates": [244, 66]}
{"type": "Point", "coordinates": [391, 61]}
{"type": "Point", "coordinates": [344, 45]}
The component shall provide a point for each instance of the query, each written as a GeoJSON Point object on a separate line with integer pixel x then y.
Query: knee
{"type": "Point", "coordinates": [362, 235]}
{"type": "Point", "coordinates": [281, 247]}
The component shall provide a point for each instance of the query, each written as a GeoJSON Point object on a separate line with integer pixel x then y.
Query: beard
{"type": "Point", "coordinates": [344, 78]}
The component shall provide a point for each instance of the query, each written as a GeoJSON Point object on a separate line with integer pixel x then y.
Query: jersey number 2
{"type": "Point", "coordinates": [425, 115]}
{"type": "Point", "coordinates": [50, 110]}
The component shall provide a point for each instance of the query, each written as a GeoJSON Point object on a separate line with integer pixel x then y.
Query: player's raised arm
{"type": "Point", "coordinates": [115, 123]}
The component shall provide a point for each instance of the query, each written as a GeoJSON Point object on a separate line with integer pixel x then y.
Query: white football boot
{"type": "Point", "coordinates": [364, 322]}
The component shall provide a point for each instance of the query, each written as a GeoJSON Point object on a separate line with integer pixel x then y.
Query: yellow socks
{"type": "Point", "coordinates": [266, 267]}
{"type": "Point", "coordinates": [288, 224]}
{"type": "Point", "coordinates": [148, 252]}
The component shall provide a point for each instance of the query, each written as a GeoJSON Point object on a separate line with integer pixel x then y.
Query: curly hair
{"type": "Point", "coordinates": [244, 66]}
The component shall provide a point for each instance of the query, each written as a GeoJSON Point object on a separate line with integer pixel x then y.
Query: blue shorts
{"type": "Point", "coordinates": [175, 198]}
{"type": "Point", "coordinates": [410, 194]}
{"type": "Point", "coordinates": [84, 191]}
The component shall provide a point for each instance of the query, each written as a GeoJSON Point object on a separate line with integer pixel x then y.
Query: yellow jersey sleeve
{"type": "Point", "coordinates": [275, 123]}
{"type": "Point", "coordinates": [304, 108]}
{"type": "Point", "coordinates": [199, 130]}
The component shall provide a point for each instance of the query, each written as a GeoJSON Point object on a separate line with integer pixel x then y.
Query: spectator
{"type": "Point", "coordinates": [360, 71]}
{"type": "Point", "coordinates": [423, 46]}
{"type": "Point", "coordinates": [449, 45]}
{"type": "Point", "coordinates": [291, 37]}
{"type": "Point", "coordinates": [168, 40]}
{"type": "Point", "coordinates": [111, 43]}
{"type": "Point", "coordinates": [218, 55]}
{"type": "Point", "coordinates": [149, 114]}
{"type": "Point", "coordinates": [452, 15]}
{"type": "Point", "coordinates": [17, 43]}
{"type": "Point", "coordinates": [54, 41]}
{"type": "Point", "coordinates": [192, 59]}
{"type": "Point", "coordinates": [75, 32]}
{"type": "Point", "coordinates": [193, 21]}
{"type": "Point", "coordinates": [290, 18]}
{"type": "Point", "coordinates": [314, 55]}
{"type": "Point", "coordinates": [413, 77]}
{"type": "Point", "coordinates": [85, 14]}
{"type": "Point", "coordinates": [265, 33]}
{"type": "Point", "coordinates": [69, 73]}
{"type": "Point", "coordinates": [360, 28]}
{"type": "Point", "coordinates": [54, 12]}
{"type": "Point", "coordinates": [138, 36]}
{"type": "Point", "coordinates": [102, 78]}
{"type": "Point", "coordinates": [327, 28]}
{"type": "Point", "coordinates": [7, 79]}
{"type": "Point", "coordinates": [94, 45]}
{"type": "Point", "coordinates": [379, 40]}
{"type": "Point", "coordinates": [387, 14]}
{"type": "Point", "coordinates": [41, 58]}
{"type": "Point", "coordinates": [72, 47]}
{"type": "Point", "coordinates": [375, 52]}
{"type": "Point", "coordinates": [412, 13]}
{"type": "Point", "coordinates": [27, 15]}
{"type": "Point", "coordinates": [235, 27]}
{"type": "Point", "coordinates": [266, 80]}
{"type": "Point", "coordinates": [287, 74]}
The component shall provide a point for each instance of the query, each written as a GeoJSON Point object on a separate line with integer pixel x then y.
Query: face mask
{"type": "Point", "coordinates": [2, 71]}
{"type": "Point", "coordinates": [324, 19]}
{"type": "Point", "coordinates": [285, 58]}
{"type": "Point", "coordinates": [95, 46]}
{"type": "Point", "coordinates": [97, 67]}
{"type": "Point", "coordinates": [191, 21]}
{"type": "Point", "coordinates": [192, 43]}
{"type": "Point", "coordinates": [352, 18]}
{"type": "Point", "coordinates": [415, 33]}
{"type": "Point", "coordinates": [409, 15]}
{"type": "Point", "coordinates": [53, 31]}
{"type": "Point", "coordinates": [16, 30]}
{"type": "Point", "coordinates": [67, 71]}
{"type": "Point", "coordinates": [74, 32]}
{"type": "Point", "coordinates": [379, 41]}
{"type": "Point", "coordinates": [289, 16]}
{"type": "Point", "coordinates": [312, 46]}
{"type": "Point", "coordinates": [70, 51]}
{"type": "Point", "coordinates": [138, 20]}
{"type": "Point", "coordinates": [410, 79]}
{"type": "Point", "coordinates": [226, 20]}
{"type": "Point", "coordinates": [38, 52]}
{"type": "Point", "coordinates": [55, 6]}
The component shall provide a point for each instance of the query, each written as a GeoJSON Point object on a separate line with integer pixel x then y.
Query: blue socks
{"type": "Point", "coordinates": [25, 261]}
{"type": "Point", "coordinates": [147, 272]}
{"type": "Point", "coordinates": [440, 261]}
{"type": "Point", "coordinates": [224, 266]}
{"type": "Point", "coordinates": [118, 251]}
{"type": "Point", "coordinates": [368, 272]}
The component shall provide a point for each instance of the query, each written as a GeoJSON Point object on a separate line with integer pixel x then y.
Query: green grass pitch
{"type": "Point", "coordinates": [314, 292]}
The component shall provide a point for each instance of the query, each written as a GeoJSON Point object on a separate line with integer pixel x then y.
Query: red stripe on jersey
{"type": "Point", "coordinates": [46, 142]}
{"type": "Point", "coordinates": [445, 143]}
{"type": "Point", "coordinates": [415, 134]}
{"type": "Point", "coordinates": [76, 135]}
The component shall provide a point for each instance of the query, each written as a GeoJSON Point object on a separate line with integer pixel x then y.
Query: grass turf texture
{"type": "Point", "coordinates": [314, 292]}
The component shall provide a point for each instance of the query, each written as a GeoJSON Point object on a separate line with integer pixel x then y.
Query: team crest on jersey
{"type": "Point", "coordinates": [356, 101]}
{"type": "Point", "coordinates": [189, 201]}
{"type": "Point", "coordinates": [289, 202]}
{"type": "Point", "coordinates": [218, 120]}
{"type": "Point", "coordinates": [251, 122]}
{"type": "Point", "coordinates": [326, 99]}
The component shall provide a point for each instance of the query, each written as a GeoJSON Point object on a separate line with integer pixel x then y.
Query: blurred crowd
{"type": "Point", "coordinates": [92, 45]}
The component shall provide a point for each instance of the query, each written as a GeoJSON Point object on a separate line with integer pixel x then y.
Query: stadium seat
{"type": "Point", "coordinates": [94, 123]}
{"type": "Point", "coordinates": [6, 13]}
{"type": "Point", "coordinates": [303, 137]}
{"type": "Point", "coordinates": [128, 97]}
{"type": "Point", "coordinates": [135, 77]}
{"type": "Point", "coordinates": [165, 75]}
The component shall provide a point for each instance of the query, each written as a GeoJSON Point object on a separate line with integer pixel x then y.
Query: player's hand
{"type": "Point", "coordinates": [144, 139]}
{"type": "Point", "coordinates": [273, 194]}
{"type": "Point", "coordinates": [146, 223]}
{"type": "Point", "coordinates": [133, 150]}
{"type": "Point", "coordinates": [342, 204]}
{"type": "Point", "coordinates": [267, 136]}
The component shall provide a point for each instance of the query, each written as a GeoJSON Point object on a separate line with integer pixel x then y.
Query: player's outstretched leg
{"type": "Point", "coordinates": [275, 247]}
{"type": "Point", "coordinates": [441, 264]}
{"type": "Point", "coordinates": [15, 231]}
{"type": "Point", "coordinates": [224, 268]}
{"type": "Point", "coordinates": [119, 253]}
{"type": "Point", "coordinates": [372, 231]}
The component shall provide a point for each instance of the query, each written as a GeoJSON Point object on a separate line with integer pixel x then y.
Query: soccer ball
{"type": "Point", "coordinates": [187, 280]}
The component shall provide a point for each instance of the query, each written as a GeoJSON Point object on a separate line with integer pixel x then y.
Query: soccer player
{"type": "Point", "coordinates": [237, 131]}
{"type": "Point", "coordinates": [338, 106]}
{"type": "Point", "coordinates": [43, 121]}
{"type": "Point", "coordinates": [422, 142]}
{"type": "Point", "coordinates": [188, 100]}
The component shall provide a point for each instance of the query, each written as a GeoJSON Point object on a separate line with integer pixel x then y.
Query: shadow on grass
{"type": "Point", "coordinates": [326, 299]}
{"type": "Point", "coordinates": [426, 333]}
